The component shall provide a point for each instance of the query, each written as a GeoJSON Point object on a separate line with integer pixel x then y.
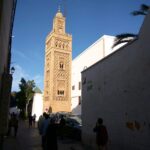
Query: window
{"type": "Point", "coordinates": [79, 85]}
{"type": "Point", "coordinates": [63, 45]}
{"type": "Point", "coordinates": [61, 65]}
{"type": "Point", "coordinates": [79, 100]}
{"type": "Point", "coordinates": [60, 92]}
{"type": "Point", "coordinates": [73, 87]}
{"type": "Point", "coordinates": [56, 44]}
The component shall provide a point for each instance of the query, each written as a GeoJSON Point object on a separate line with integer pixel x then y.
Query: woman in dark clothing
{"type": "Point", "coordinates": [101, 135]}
{"type": "Point", "coordinates": [51, 136]}
{"type": "Point", "coordinates": [30, 120]}
{"type": "Point", "coordinates": [14, 124]}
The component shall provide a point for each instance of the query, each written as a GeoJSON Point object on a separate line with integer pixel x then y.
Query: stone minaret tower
{"type": "Point", "coordinates": [58, 58]}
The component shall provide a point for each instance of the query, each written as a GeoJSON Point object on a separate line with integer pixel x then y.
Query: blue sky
{"type": "Point", "coordinates": [86, 20]}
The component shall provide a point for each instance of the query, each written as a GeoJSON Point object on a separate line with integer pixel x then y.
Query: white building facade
{"type": "Point", "coordinates": [100, 49]}
{"type": "Point", "coordinates": [37, 106]}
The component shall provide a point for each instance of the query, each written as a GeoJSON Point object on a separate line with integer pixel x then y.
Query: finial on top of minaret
{"type": "Point", "coordinates": [59, 9]}
{"type": "Point", "coordinates": [59, 14]}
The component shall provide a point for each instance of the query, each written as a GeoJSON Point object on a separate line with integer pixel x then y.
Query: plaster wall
{"type": "Point", "coordinates": [117, 88]}
{"type": "Point", "coordinates": [37, 106]}
{"type": "Point", "coordinates": [101, 48]}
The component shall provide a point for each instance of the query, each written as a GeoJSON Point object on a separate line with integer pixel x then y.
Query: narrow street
{"type": "Point", "coordinates": [29, 139]}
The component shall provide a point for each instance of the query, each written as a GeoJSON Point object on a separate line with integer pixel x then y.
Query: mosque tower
{"type": "Point", "coordinates": [57, 71]}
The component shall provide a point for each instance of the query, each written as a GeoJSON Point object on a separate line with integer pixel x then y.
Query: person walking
{"type": "Point", "coordinates": [9, 125]}
{"type": "Point", "coordinates": [30, 120]}
{"type": "Point", "coordinates": [40, 122]}
{"type": "Point", "coordinates": [43, 130]}
{"type": "Point", "coordinates": [34, 119]}
{"type": "Point", "coordinates": [51, 136]}
{"type": "Point", "coordinates": [62, 126]}
{"type": "Point", "coordinates": [101, 135]}
{"type": "Point", "coordinates": [14, 124]}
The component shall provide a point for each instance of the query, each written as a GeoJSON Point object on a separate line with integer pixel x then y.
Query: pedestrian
{"type": "Point", "coordinates": [101, 134]}
{"type": "Point", "coordinates": [40, 122]}
{"type": "Point", "coordinates": [14, 124]}
{"type": "Point", "coordinates": [51, 136]}
{"type": "Point", "coordinates": [43, 131]}
{"type": "Point", "coordinates": [34, 119]}
{"type": "Point", "coordinates": [9, 125]}
{"type": "Point", "coordinates": [62, 126]}
{"type": "Point", "coordinates": [30, 120]}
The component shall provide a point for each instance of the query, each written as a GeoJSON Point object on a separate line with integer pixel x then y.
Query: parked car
{"type": "Point", "coordinates": [57, 116]}
{"type": "Point", "coordinates": [73, 127]}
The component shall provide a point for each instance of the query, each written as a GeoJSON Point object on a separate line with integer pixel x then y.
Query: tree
{"type": "Point", "coordinates": [128, 37]}
{"type": "Point", "coordinates": [25, 94]}
{"type": "Point", "coordinates": [124, 38]}
{"type": "Point", "coordinates": [142, 11]}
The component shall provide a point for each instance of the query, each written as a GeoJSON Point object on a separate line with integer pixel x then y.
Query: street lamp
{"type": "Point", "coordinates": [12, 70]}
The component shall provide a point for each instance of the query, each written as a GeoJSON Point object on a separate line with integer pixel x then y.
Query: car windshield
{"type": "Point", "coordinates": [75, 120]}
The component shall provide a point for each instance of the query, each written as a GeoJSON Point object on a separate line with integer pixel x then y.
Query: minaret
{"type": "Point", "coordinates": [57, 72]}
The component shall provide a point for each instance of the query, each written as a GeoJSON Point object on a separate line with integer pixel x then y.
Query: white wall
{"type": "Point", "coordinates": [117, 89]}
{"type": "Point", "coordinates": [37, 106]}
{"type": "Point", "coordinates": [101, 48]}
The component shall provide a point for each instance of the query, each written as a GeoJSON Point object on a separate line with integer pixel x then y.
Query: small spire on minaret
{"type": "Point", "coordinates": [59, 8]}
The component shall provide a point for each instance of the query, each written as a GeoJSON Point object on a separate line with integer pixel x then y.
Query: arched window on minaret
{"type": "Point", "coordinates": [61, 65]}
{"type": "Point", "coordinates": [63, 45]}
{"type": "Point", "coordinates": [60, 88]}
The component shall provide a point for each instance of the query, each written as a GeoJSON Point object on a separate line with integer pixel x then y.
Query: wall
{"type": "Point", "coordinates": [5, 26]}
{"type": "Point", "coordinates": [37, 106]}
{"type": "Point", "coordinates": [101, 48]}
{"type": "Point", "coordinates": [7, 11]}
{"type": "Point", "coordinates": [117, 89]}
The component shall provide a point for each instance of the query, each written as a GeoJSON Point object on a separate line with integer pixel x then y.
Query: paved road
{"type": "Point", "coordinates": [29, 139]}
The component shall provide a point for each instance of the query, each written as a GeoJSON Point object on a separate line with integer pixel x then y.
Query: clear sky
{"type": "Point", "coordinates": [86, 20]}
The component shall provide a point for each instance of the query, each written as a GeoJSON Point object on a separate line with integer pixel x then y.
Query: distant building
{"type": "Point", "coordinates": [37, 105]}
{"type": "Point", "coordinates": [117, 89]}
{"type": "Point", "coordinates": [57, 73]}
{"type": "Point", "coordinates": [7, 12]}
{"type": "Point", "coordinates": [97, 51]}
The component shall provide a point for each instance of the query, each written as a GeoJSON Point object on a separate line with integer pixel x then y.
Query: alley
{"type": "Point", "coordinates": [29, 139]}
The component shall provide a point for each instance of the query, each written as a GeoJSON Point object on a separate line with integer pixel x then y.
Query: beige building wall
{"type": "Point", "coordinates": [57, 75]}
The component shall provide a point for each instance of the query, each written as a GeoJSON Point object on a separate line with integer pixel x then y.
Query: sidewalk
{"type": "Point", "coordinates": [29, 139]}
